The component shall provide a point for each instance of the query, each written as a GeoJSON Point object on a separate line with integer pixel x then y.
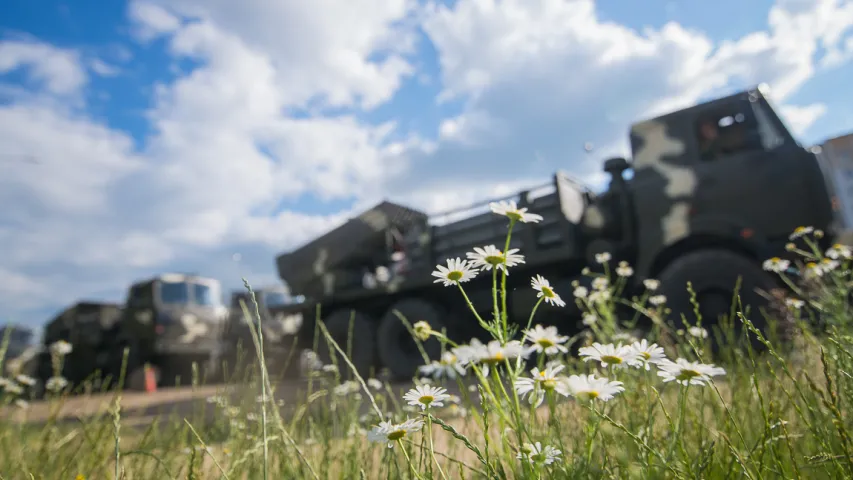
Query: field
{"type": "Point", "coordinates": [724, 400]}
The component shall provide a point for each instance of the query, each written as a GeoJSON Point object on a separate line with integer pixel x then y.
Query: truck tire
{"type": "Point", "coordinates": [713, 274]}
{"type": "Point", "coordinates": [363, 342]}
{"type": "Point", "coordinates": [397, 349]}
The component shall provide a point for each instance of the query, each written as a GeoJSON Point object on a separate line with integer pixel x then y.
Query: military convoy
{"type": "Point", "coordinates": [710, 193]}
{"type": "Point", "coordinates": [713, 190]}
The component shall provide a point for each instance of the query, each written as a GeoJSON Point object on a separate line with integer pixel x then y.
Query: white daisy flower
{"type": "Point", "coordinates": [61, 348]}
{"type": "Point", "coordinates": [599, 296]}
{"type": "Point", "coordinates": [800, 232]}
{"type": "Point", "coordinates": [828, 264]}
{"type": "Point", "coordinates": [602, 258]}
{"type": "Point", "coordinates": [489, 257]}
{"type": "Point", "coordinates": [26, 380]}
{"type": "Point", "coordinates": [22, 404]}
{"type": "Point", "coordinates": [426, 396]}
{"type": "Point", "coordinates": [580, 292]}
{"type": "Point", "coordinates": [588, 387]}
{"type": "Point", "coordinates": [647, 354]}
{"type": "Point", "coordinates": [590, 319]}
{"type": "Point", "coordinates": [493, 353]}
{"type": "Point", "coordinates": [56, 383]}
{"type": "Point", "coordinates": [449, 366]}
{"type": "Point", "coordinates": [389, 432]}
{"type": "Point", "coordinates": [346, 388]}
{"type": "Point", "coordinates": [813, 270]}
{"type": "Point", "coordinates": [541, 285]}
{"type": "Point", "coordinates": [330, 368]}
{"type": "Point", "coordinates": [795, 303]}
{"type": "Point", "coordinates": [545, 340]}
{"type": "Point", "coordinates": [374, 384]}
{"type": "Point", "coordinates": [839, 251]}
{"type": "Point", "coordinates": [776, 264]}
{"type": "Point", "coordinates": [618, 355]}
{"type": "Point", "coordinates": [541, 382]}
{"type": "Point", "coordinates": [651, 284]}
{"type": "Point", "coordinates": [422, 330]}
{"type": "Point", "coordinates": [457, 271]}
{"type": "Point", "coordinates": [698, 332]}
{"type": "Point", "coordinates": [624, 270]}
{"type": "Point", "coordinates": [5, 382]}
{"type": "Point", "coordinates": [13, 388]}
{"type": "Point", "coordinates": [600, 283]}
{"type": "Point", "coordinates": [536, 455]}
{"type": "Point", "coordinates": [657, 300]}
{"type": "Point", "coordinates": [510, 209]}
{"type": "Point", "coordinates": [687, 373]}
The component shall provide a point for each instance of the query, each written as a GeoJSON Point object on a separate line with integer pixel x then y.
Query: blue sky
{"type": "Point", "coordinates": [169, 136]}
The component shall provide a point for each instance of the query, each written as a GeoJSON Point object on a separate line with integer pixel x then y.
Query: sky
{"type": "Point", "coordinates": [208, 136]}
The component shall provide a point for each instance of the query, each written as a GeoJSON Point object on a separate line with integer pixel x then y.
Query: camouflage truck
{"type": "Point", "coordinates": [715, 189]}
{"type": "Point", "coordinates": [86, 326]}
{"type": "Point", "coordinates": [279, 331]}
{"type": "Point", "coordinates": [168, 322]}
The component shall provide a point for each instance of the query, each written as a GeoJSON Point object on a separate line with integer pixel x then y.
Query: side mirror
{"type": "Point", "coordinates": [616, 165]}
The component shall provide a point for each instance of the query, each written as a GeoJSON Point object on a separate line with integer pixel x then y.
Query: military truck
{"type": "Point", "coordinates": [168, 322]}
{"type": "Point", "coordinates": [714, 190]}
{"type": "Point", "coordinates": [279, 331]}
{"type": "Point", "coordinates": [86, 325]}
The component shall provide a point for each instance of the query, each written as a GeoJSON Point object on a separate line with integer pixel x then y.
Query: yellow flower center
{"type": "Point", "coordinates": [545, 342]}
{"type": "Point", "coordinates": [646, 355]}
{"type": "Point", "coordinates": [496, 358]}
{"type": "Point", "coordinates": [590, 395]}
{"type": "Point", "coordinates": [426, 399]}
{"type": "Point", "coordinates": [454, 275]}
{"type": "Point", "coordinates": [495, 259]}
{"type": "Point", "coordinates": [549, 384]}
{"type": "Point", "coordinates": [396, 435]}
{"type": "Point", "coordinates": [687, 374]}
{"type": "Point", "coordinates": [546, 291]}
{"type": "Point", "coordinates": [513, 215]}
{"type": "Point", "coordinates": [450, 359]}
{"type": "Point", "coordinates": [611, 359]}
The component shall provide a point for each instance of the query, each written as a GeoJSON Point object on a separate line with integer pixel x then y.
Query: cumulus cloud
{"type": "Point", "coordinates": [272, 116]}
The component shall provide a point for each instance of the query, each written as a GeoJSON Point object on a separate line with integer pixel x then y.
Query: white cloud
{"type": "Point", "coordinates": [800, 118]}
{"type": "Point", "coordinates": [251, 126]}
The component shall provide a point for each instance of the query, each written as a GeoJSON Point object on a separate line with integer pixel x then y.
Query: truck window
{"type": "Point", "coordinates": [141, 296]}
{"type": "Point", "coordinates": [206, 295]}
{"type": "Point", "coordinates": [728, 132]}
{"type": "Point", "coordinates": [174, 293]}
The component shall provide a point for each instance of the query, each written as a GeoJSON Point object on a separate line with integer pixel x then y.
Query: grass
{"type": "Point", "coordinates": [751, 407]}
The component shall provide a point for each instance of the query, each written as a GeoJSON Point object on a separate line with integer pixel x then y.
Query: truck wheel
{"type": "Point", "coordinates": [359, 342]}
{"type": "Point", "coordinates": [713, 275]}
{"type": "Point", "coordinates": [397, 349]}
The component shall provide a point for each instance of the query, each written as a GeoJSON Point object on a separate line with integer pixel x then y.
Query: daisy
{"type": "Point", "coordinates": [489, 257]}
{"type": "Point", "coordinates": [56, 383]}
{"type": "Point", "coordinates": [602, 258]}
{"type": "Point", "coordinates": [587, 387]}
{"type": "Point", "coordinates": [687, 373]}
{"type": "Point", "coordinates": [426, 396]}
{"type": "Point", "coordinates": [510, 210]}
{"type": "Point", "coordinates": [600, 283]}
{"type": "Point", "coordinates": [541, 382]}
{"type": "Point", "coordinates": [26, 380]}
{"type": "Point", "coordinates": [422, 330]}
{"type": "Point", "coordinates": [647, 354]}
{"type": "Point", "coordinates": [589, 319]}
{"type": "Point", "coordinates": [776, 265]}
{"type": "Point", "coordinates": [624, 270]}
{"type": "Point", "coordinates": [541, 285]}
{"type": "Point", "coordinates": [795, 303]}
{"type": "Point", "coordinates": [698, 332]}
{"type": "Point", "coordinates": [448, 366]}
{"type": "Point", "coordinates": [657, 300]}
{"type": "Point", "coordinates": [800, 232]}
{"type": "Point", "coordinates": [390, 433]}
{"type": "Point", "coordinates": [580, 292]}
{"type": "Point", "coordinates": [545, 340]}
{"type": "Point", "coordinates": [536, 455]}
{"type": "Point", "coordinates": [374, 384]}
{"type": "Point", "coordinates": [61, 348]}
{"type": "Point", "coordinates": [494, 353]}
{"type": "Point", "coordinates": [457, 271]}
{"type": "Point", "coordinates": [618, 356]}
{"type": "Point", "coordinates": [651, 284]}
{"type": "Point", "coordinates": [839, 251]}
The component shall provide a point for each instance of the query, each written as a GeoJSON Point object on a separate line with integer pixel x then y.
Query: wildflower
{"type": "Point", "coordinates": [536, 455]}
{"type": "Point", "coordinates": [624, 337]}
{"type": "Point", "coordinates": [828, 264]}
{"type": "Point", "coordinates": [813, 270]}
{"type": "Point", "coordinates": [602, 258]}
{"type": "Point", "coordinates": [698, 332]}
{"type": "Point", "coordinates": [599, 296]}
{"type": "Point", "coordinates": [800, 232]}
{"type": "Point", "coordinates": [545, 340]}
{"type": "Point", "coordinates": [22, 404]}
{"type": "Point", "coordinates": [590, 319]}
{"type": "Point", "coordinates": [13, 388]}
{"type": "Point", "coordinates": [542, 285]}
{"type": "Point", "coordinates": [5, 382]}
{"type": "Point", "coordinates": [390, 433]}
{"type": "Point", "coordinates": [795, 303]}
{"type": "Point", "coordinates": [449, 366]}
{"type": "Point", "coordinates": [347, 387]}
{"type": "Point", "coordinates": [510, 210]}
{"type": "Point", "coordinates": [309, 361]}
{"type": "Point", "coordinates": [687, 373]}
{"type": "Point", "coordinates": [455, 410]}
{"type": "Point", "coordinates": [494, 353]}
{"type": "Point", "coordinates": [374, 384]}
{"type": "Point", "coordinates": [790, 247]}
{"type": "Point", "coordinates": [541, 382]}
{"type": "Point", "coordinates": [79, 476]}
{"type": "Point", "coordinates": [330, 368]}
{"type": "Point", "coordinates": [56, 383]}
{"type": "Point", "coordinates": [290, 324]}
{"type": "Point", "coordinates": [600, 283]}
{"type": "Point", "coordinates": [647, 354]}
{"type": "Point", "coordinates": [580, 292]}
{"type": "Point", "coordinates": [26, 380]}
{"type": "Point", "coordinates": [61, 348]}
{"type": "Point", "coordinates": [618, 356]}
{"type": "Point", "coordinates": [490, 257]}
{"type": "Point", "coordinates": [839, 251]}
{"type": "Point", "coordinates": [776, 265]}
{"type": "Point", "coordinates": [426, 396]}
{"type": "Point", "coordinates": [422, 330]}
{"type": "Point", "coordinates": [588, 387]}
{"type": "Point", "coordinates": [457, 271]}
{"type": "Point", "coordinates": [657, 300]}
{"type": "Point", "coordinates": [651, 284]}
{"type": "Point", "coordinates": [624, 270]}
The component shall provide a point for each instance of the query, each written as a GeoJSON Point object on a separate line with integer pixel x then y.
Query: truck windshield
{"type": "Point", "coordinates": [174, 293]}
{"type": "Point", "coordinates": [277, 299]}
{"type": "Point", "coordinates": [205, 295]}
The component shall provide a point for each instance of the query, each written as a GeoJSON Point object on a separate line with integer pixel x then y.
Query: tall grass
{"type": "Point", "coordinates": [712, 400]}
